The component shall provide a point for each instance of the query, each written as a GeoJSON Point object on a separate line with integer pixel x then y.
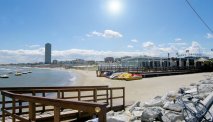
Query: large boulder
{"type": "Point", "coordinates": [137, 114]}
{"type": "Point", "coordinates": [132, 107]}
{"type": "Point", "coordinates": [170, 96]}
{"type": "Point", "coordinates": [172, 106]}
{"type": "Point", "coordinates": [157, 101]}
{"type": "Point", "coordinates": [93, 120]}
{"type": "Point", "coordinates": [203, 88]}
{"type": "Point", "coordinates": [171, 116]}
{"type": "Point", "coordinates": [118, 117]}
{"type": "Point", "coordinates": [151, 114]}
{"type": "Point", "coordinates": [207, 82]}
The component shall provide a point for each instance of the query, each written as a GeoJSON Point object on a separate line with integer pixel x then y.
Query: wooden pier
{"type": "Point", "coordinates": [77, 103]}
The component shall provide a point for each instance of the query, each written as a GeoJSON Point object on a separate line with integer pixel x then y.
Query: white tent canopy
{"type": "Point", "coordinates": [201, 60]}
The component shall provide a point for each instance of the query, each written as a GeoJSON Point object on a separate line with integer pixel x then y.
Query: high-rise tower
{"type": "Point", "coordinates": [47, 53]}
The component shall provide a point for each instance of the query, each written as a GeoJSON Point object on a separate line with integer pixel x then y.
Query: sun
{"type": "Point", "coordinates": [114, 6]}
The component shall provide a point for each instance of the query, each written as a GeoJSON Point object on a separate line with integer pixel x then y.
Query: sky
{"type": "Point", "coordinates": [94, 29]}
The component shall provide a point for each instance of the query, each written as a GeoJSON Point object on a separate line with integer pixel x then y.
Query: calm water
{"type": "Point", "coordinates": [38, 77]}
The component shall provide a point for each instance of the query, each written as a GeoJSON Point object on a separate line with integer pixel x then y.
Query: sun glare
{"type": "Point", "coordinates": [114, 6]}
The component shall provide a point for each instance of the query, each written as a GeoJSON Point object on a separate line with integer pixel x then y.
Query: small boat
{"type": "Point", "coordinates": [24, 72]}
{"type": "Point", "coordinates": [4, 76]}
{"type": "Point", "coordinates": [18, 74]}
{"type": "Point", "coordinates": [29, 72]}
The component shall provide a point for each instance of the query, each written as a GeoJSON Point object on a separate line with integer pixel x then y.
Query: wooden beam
{"type": "Point", "coordinates": [13, 109]}
{"type": "Point", "coordinates": [32, 111]}
{"type": "Point", "coordinates": [56, 114]}
{"type": "Point", "coordinates": [95, 95]}
{"type": "Point", "coordinates": [3, 108]}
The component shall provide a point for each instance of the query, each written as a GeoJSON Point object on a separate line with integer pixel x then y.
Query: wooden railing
{"type": "Point", "coordinates": [34, 100]}
{"type": "Point", "coordinates": [141, 70]}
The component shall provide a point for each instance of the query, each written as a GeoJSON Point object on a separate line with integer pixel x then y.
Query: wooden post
{"type": "Point", "coordinates": [102, 115]}
{"type": "Point", "coordinates": [20, 107]}
{"type": "Point", "coordinates": [43, 107]}
{"type": "Point", "coordinates": [33, 93]}
{"type": "Point", "coordinates": [13, 109]}
{"type": "Point", "coordinates": [32, 111]}
{"type": "Point", "coordinates": [3, 107]}
{"type": "Point", "coordinates": [124, 98]}
{"type": "Point", "coordinates": [79, 94]}
{"type": "Point", "coordinates": [58, 94]}
{"type": "Point", "coordinates": [95, 95]}
{"type": "Point", "coordinates": [111, 98]}
{"type": "Point", "coordinates": [56, 114]}
{"type": "Point", "coordinates": [62, 95]}
{"type": "Point", "coordinates": [107, 96]}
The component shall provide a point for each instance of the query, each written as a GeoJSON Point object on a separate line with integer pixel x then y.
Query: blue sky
{"type": "Point", "coordinates": [93, 29]}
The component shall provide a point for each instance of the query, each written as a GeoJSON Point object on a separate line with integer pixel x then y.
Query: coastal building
{"type": "Point", "coordinates": [162, 62]}
{"type": "Point", "coordinates": [55, 61]}
{"type": "Point", "coordinates": [47, 53]}
{"type": "Point", "coordinates": [108, 59]}
{"type": "Point", "coordinates": [91, 62]}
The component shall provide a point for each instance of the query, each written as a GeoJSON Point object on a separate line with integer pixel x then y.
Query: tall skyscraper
{"type": "Point", "coordinates": [47, 53]}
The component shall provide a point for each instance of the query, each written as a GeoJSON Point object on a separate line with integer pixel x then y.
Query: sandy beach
{"type": "Point", "coordinates": [144, 89]}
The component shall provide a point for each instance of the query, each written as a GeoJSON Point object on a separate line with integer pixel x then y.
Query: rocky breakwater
{"type": "Point", "coordinates": [162, 108]}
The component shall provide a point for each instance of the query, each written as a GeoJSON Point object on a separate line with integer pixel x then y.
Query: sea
{"type": "Point", "coordinates": [38, 78]}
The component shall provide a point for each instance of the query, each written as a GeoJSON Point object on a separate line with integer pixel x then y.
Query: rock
{"type": "Point", "coordinates": [193, 84]}
{"type": "Point", "coordinates": [193, 90]}
{"type": "Point", "coordinates": [118, 118]}
{"type": "Point", "coordinates": [207, 82]}
{"type": "Point", "coordinates": [172, 106]}
{"type": "Point", "coordinates": [132, 107]}
{"type": "Point", "coordinates": [93, 120]}
{"type": "Point", "coordinates": [136, 121]}
{"type": "Point", "coordinates": [157, 101]}
{"type": "Point", "coordinates": [151, 114]}
{"type": "Point", "coordinates": [170, 116]}
{"type": "Point", "coordinates": [201, 95]}
{"type": "Point", "coordinates": [184, 88]}
{"type": "Point", "coordinates": [203, 88]}
{"type": "Point", "coordinates": [137, 113]}
{"type": "Point", "coordinates": [110, 113]}
{"type": "Point", "coordinates": [170, 96]}
{"type": "Point", "coordinates": [138, 109]}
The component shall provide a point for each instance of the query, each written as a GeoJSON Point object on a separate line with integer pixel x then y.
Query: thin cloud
{"type": "Point", "coordinates": [134, 40]}
{"type": "Point", "coordinates": [105, 34]}
{"type": "Point", "coordinates": [148, 44]}
{"type": "Point", "coordinates": [33, 46]}
{"type": "Point", "coordinates": [178, 40]}
{"type": "Point", "coordinates": [194, 48]}
{"type": "Point", "coordinates": [130, 46]}
{"type": "Point", "coordinates": [178, 43]}
{"type": "Point", "coordinates": [209, 36]}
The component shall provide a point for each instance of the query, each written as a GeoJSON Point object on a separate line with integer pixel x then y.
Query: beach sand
{"type": "Point", "coordinates": [140, 90]}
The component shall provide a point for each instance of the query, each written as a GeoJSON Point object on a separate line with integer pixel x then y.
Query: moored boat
{"type": "Point", "coordinates": [4, 76]}
{"type": "Point", "coordinates": [18, 74]}
{"type": "Point", "coordinates": [24, 72]}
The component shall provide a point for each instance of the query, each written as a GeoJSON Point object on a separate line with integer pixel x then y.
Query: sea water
{"type": "Point", "coordinates": [38, 78]}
